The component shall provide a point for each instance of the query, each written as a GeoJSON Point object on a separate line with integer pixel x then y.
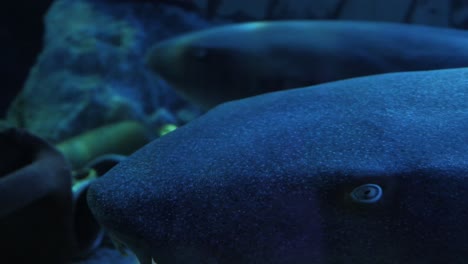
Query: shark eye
{"type": "Point", "coordinates": [367, 193]}
{"type": "Point", "coordinates": [199, 52]}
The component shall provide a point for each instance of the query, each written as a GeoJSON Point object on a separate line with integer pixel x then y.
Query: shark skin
{"type": "Point", "coordinates": [235, 61]}
{"type": "Point", "coordinates": [366, 170]}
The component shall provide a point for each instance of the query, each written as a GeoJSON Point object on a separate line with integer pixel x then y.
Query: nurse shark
{"type": "Point", "coordinates": [366, 170]}
{"type": "Point", "coordinates": [229, 62]}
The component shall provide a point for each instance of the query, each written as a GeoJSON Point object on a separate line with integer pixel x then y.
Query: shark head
{"type": "Point", "coordinates": [221, 63]}
{"type": "Point", "coordinates": [367, 170]}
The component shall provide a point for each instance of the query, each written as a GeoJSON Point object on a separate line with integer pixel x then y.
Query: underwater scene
{"type": "Point", "coordinates": [234, 132]}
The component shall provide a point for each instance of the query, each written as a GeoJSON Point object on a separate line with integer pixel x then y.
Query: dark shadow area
{"type": "Point", "coordinates": [22, 30]}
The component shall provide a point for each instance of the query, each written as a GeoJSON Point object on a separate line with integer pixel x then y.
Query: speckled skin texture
{"type": "Point", "coordinates": [230, 62]}
{"type": "Point", "coordinates": [268, 179]}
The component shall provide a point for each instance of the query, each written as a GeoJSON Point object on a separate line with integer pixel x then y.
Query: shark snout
{"type": "Point", "coordinates": [157, 56]}
{"type": "Point", "coordinates": [165, 59]}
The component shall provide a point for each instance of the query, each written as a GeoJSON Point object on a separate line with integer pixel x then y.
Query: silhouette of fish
{"type": "Point", "coordinates": [230, 62]}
